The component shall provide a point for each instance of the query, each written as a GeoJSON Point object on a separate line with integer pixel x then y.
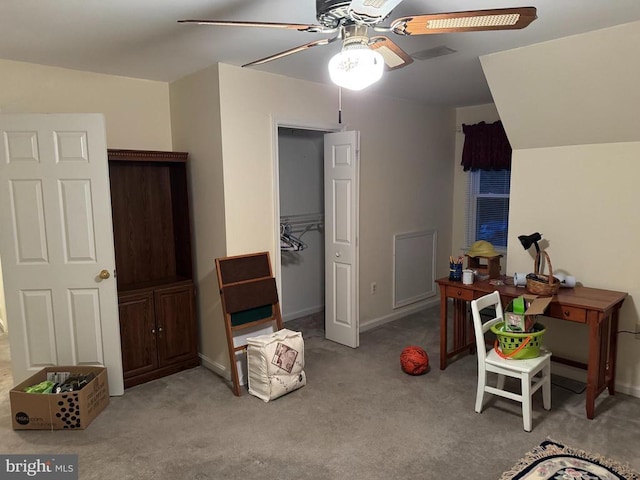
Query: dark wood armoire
{"type": "Point", "coordinates": [152, 236]}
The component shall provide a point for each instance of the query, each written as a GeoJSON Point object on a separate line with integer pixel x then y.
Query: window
{"type": "Point", "coordinates": [488, 209]}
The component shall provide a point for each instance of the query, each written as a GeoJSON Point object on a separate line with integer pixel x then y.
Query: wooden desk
{"type": "Point", "coordinates": [596, 308]}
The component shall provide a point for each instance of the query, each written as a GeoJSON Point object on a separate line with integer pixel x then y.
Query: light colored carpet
{"type": "Point", "coordinates": [358, 417]}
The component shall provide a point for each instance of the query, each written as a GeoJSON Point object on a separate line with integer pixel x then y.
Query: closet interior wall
{"type": "Point", "coordinates": [301, 178]}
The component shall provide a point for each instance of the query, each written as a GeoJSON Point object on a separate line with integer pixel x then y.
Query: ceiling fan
{"type": "Point", "coordinates": [363, 58]}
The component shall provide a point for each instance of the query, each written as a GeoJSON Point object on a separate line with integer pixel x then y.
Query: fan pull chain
{"type": "Point", "coordinates": [340, 105]}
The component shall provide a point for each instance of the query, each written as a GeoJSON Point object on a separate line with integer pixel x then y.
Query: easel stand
{"type": "Point", "coordinates": [249, 298]}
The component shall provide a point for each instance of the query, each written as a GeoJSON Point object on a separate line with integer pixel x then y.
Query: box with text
{"type": "Point", "coordinates": [521, 322]}
{"type": "Point", "coordinates": [57, 411]}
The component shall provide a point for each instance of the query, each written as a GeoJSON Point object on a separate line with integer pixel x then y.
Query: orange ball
{"type": "Point", "coordinates": [414, 360]}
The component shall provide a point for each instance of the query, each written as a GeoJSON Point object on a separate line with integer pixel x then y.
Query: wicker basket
{"type": "Point", "coordinates": [546, 285]}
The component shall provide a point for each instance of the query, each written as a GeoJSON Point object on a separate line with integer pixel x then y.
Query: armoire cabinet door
{"type": "Point", "coordinates": [138, 333]}
{"type": "Point", "coordinates": [176, 324]}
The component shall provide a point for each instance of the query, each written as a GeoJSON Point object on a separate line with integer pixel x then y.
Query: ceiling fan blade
{"type": "Point", "coordinates": [470, 21]}
{"type": "Point", "coordinates": [324, 41]}
{"type": "Point", "coordinates": [301, 27]}
{"type": "Point", "coordinates": [372, 11]}
{"type": "Point", "coordinates": [394, 56]}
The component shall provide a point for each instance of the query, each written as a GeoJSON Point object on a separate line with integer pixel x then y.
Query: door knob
{"type": "Point", "coordinates": [337, 254]}
{"type": "Point", "coordinates": [104, 274]}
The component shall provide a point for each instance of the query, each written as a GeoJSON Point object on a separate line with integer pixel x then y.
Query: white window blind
{"type": "Point", "coordinates": [488, 209]}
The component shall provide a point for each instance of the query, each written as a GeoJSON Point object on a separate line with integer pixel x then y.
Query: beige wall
{"type": "Point", "coordinates": [406, 186]}
{"type": "Point", "coordinates": [195, 120]}
{"type": "Point", "coordinates": [405, 178]}
{"type": "Point", "coordinates": [136, 111]}
{"type": "Point", "coordinates": [572, 178]}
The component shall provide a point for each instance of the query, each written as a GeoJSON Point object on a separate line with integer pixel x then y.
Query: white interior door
{"type": "Point", "coordinates": [56, 239]}
{"type": "Point", "coordinates": [341, 183]}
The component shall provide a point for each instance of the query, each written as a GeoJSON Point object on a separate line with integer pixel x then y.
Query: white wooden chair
{"type": "Point", "coordinates": [524, 370]}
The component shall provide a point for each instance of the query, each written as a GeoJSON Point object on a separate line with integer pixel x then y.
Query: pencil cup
{"type": "Point", "coordinates": [455, 271]}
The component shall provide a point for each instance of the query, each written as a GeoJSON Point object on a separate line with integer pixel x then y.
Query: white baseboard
{"type": "Point", "coordinates": [400, 313]}
{"type": "Point", "coordinates": [630, 390]}
{"type": "Point", "coordinates": [302, 313]}
{"type": "Point", "coordinates": [215, 367]}
{"type": "Point", "coordinates": [222, 370]}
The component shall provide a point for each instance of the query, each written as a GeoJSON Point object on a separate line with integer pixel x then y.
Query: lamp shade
{"type": "Point", "coordinates": [356, 67]}
{"type": "Point", "coordinates": [528, 240]}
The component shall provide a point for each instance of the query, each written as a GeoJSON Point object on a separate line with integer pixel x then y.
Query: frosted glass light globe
{"type": "Point", "coordinates": [356, 67]}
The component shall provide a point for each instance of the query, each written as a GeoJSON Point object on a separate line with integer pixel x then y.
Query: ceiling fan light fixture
{"type": "Point", "coordinates": [356, 67]}
{"type": "Point", "coordinates": [473, 22]}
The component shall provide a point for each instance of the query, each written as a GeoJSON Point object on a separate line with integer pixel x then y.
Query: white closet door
{"type": "Point", "coordinates": [341, 152]}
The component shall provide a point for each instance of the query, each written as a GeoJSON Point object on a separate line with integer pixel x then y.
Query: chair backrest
{"type": "Point", "coordinates": [479, 327]}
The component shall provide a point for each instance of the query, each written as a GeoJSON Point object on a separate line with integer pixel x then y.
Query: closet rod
{"type": "Point", "coordinates": [304, 217]}
{"type": "Point", "coordinates": [303, 223]}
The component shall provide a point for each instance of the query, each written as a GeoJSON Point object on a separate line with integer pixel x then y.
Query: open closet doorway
{"type": "Point", "coordinates": [298, 214]}
{"type": "Point", "coordinates": [302, 239]}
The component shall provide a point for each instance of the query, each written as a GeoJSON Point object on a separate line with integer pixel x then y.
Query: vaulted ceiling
{"type": "Point", "coordinates": [142, 39]}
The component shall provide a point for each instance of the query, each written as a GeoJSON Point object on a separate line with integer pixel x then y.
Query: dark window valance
{"type": "Point", "coordinates": [486, 147]}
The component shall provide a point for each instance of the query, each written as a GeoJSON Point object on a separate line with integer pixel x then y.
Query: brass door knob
{"type": "Point", "coordinates": [104, 274]}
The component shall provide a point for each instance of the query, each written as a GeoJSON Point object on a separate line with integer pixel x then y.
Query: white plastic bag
{"type": "Point", "coordinates": [275, 364]}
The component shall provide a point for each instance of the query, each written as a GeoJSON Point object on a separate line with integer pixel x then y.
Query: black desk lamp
{"type": "Point", "coordinates": [533, 239]}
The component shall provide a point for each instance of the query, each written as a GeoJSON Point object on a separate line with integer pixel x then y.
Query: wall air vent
{"type": "Point", "coordinates": [433, 52]}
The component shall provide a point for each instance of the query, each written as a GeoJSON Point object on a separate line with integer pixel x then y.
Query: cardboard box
{"type": "Point", "coordinates": [524, 322]}
{"type": "Point", "coordinates": [57, 411]}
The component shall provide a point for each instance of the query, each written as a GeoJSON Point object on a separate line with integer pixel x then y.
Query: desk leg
{"type": "Point", "coordinates": [613, 350]}
{"type": "Point", "coordinates": [592, 362]}
{"type": "Point", "coordinates": [460, 324]}
{"type": "Point", "coordinates": [597, 362]}
{"type": "Point", "coordinates": [443, 328]}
